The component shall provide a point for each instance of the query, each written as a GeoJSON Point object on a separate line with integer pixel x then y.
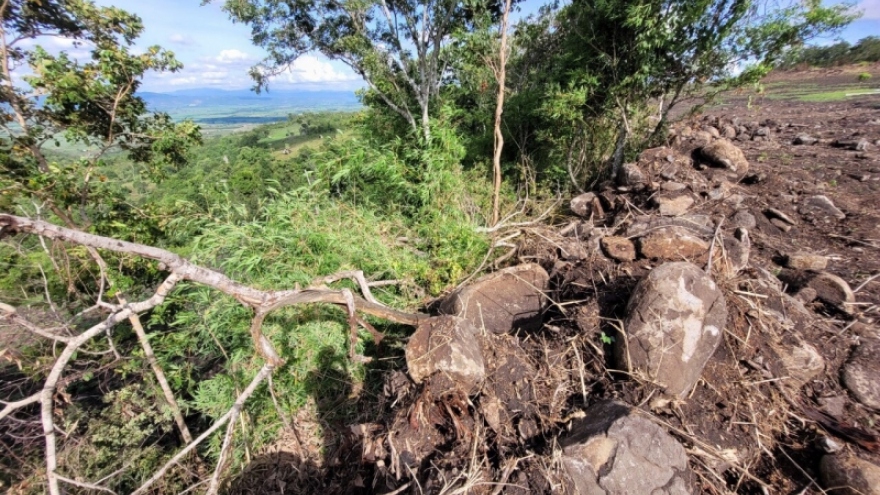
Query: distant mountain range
{"type": "Point", "coordinates": [216, 106]}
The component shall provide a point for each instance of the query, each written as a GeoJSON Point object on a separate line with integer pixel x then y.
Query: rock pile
{"type": "Point", "coordinates": [667, 311]}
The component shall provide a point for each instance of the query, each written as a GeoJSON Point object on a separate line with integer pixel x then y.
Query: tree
{"type": "Point", "coordinates": [45, 97]}
{"type": "Point", "coordinates": [612, 57]}
{"type": "Point", "coordinates": [397, 46]}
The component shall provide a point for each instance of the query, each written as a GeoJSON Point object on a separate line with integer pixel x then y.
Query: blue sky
{"type": "Point", "coordinates": [217, 53]}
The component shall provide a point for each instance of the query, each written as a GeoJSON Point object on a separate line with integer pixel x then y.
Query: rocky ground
{"type": "Point", "coordinates": [705, 323]}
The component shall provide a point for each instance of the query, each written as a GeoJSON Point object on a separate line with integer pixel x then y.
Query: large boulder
{"type": "Point", "coordinates": [861, 374]}
{"type": "Point", "coordinates": [675, 322]}
{"type": "Point", "coordinates": [612, 450]}
{"type": "Point", "coordinates": [846, 474]}
{"type": "Point", "coordinates": [506, 300]}
{"type": "Point", "coordinates": [446, 346]}
{"type": "Point", "coordinates": [723, 153]}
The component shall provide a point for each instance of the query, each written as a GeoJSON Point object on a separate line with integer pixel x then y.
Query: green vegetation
{"type": "Point", "coordinates": [866, 50]}
{"type": "Point", "coordinates": [400, 191]}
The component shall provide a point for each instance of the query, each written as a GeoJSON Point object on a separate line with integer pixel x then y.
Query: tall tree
{"type": "Point", "coordinates": [611, 57]}
{"type": "Point", "coordinates": [44, 96]}
{"type": "Point", "coordinates": [397, 46]}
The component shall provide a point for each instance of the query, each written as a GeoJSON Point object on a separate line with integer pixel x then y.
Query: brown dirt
{"type": "Point", "coordinates": [750, 426]}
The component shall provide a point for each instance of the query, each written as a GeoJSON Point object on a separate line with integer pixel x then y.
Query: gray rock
{"type": "Point", "coordinates": [773, 213]}
{"type": "Point", "coordinates": [508, 299]}
{"type": "Point", "coordinates": [802, 363]}
{"type": "Point", "coordinates": [719, 192]}
{"type": "Point", "coordinates": [805, 139]}
{"type": "Point", "coordinates": [700, 225]}
{"type": "Point", "coordinates": [861, 374]}
{"type": "Point", "coordinates": [672, 243]}
{"type": "Point", "coordinates": [821, 208]}
{"type": "Point", "coordinates": [631, 176]}
{"type": "Point", "coordinates": [744, 219]}
{"type": "Point", "coordinates": [723, 153]}
{"type": "Point", "coordinates": [675, 322]}
{"type": "Point", "coordinates": [846, 474]}
{"type": "Point", "coordinates": [673, 206]}
{"type": "Point", "coordinates": [762, 132]}
{"type": "Point", "coordinates": [712, 130]}
{"type": "Point", "coordinates": [614, 451]}
{"type": "Point", "coordinates": [619, 248]}
{"type": "Point", "coordinates": [673, 186]}
{"type": "Point", "coordinates": [447, 346]}
{"type": "Point", "coordinates": [728, 132]}
{"type": "Point", "coordinates": [781, 225]}
{"type": "Point", "coordinates": [832, 290]}
{"type": "Point", "coordinates": [806, 261]}
{"type": "Point", "coordinates": [587, 205]}
{"type": "Point", "coordinates": [737, 250]}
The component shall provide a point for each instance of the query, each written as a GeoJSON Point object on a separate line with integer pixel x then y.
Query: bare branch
{"type": "Point", "coordinates": [48, 392]}
{"type": "Point", "coordinates": [9, 407]}
{"type": "Point", "coordinates": [264, 300]}
{"type": "Point", "coordinates": [160, 374]}
{"type": "Point", "coordinates": [239, 403]}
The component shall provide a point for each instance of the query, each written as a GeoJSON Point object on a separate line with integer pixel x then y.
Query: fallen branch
{"type": "Point", "coordinates": [239, 403]}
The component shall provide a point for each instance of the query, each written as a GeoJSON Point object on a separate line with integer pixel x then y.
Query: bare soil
{"type": "Point", "coordinates": [750, 426]}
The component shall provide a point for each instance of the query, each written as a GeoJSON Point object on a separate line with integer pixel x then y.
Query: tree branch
{"type": "Point", "coordinates": [239, 403]}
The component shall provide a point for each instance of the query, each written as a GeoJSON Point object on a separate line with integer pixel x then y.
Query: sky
{"type": "Point", "coordinates": [217, 53]}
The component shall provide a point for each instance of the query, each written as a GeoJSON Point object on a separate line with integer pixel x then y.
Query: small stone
{"type": "Point", "coordinates": [673, 186]}
{"type": "Point", "coordinates": [780, 224]}
{"type": "Point", "coordinates": [448, 346]}
{"type": "Point", "coordinates": [587, 205]}
{"type": "Point", "coordinates": [802, 362]}
{"type": "Point", "coordinates": [762, 132]}
{"type": "Point", "coordinates": [861, 374]}
{"type": "Point", "coordinates": [619, 248]}
{"type": "Point", "coordinates": [806, 261]}
{"type": "Point", "coordinates": [835, 406]}
{"type": "Point", "coordinates": [820, 207]}
{"type": "Point", "coordinates": [728, 132]}
{"type": "Point", "coordinates": [703, 137]}
{"type": "Point", "coordinates": [718, 192]}
{"type": "Point", "coordinates": [832, 290]}
{"type": "Point", "coordinates": [672, 243]}
{"type": "Point", "coordinates": [630, 175]}
{"type": "Point", "coordinates": [773, 213]}
{"type": "Point", "coordinates": [846, 474]}
{"type": "Point", "coordinates": [735, 257]}
{"type": "Point", "coordinates": [744, 219]}
{"type": "Point", "coordinates": [675, 321]}
{"type": "Point", "coordinates": [734, 200]}
{"type": "Point", "coordinates": [724, 154]}
{"type": "Point", "coordinates": [674, 206]}
{"type": "Point", "coordinates": [805, 139]}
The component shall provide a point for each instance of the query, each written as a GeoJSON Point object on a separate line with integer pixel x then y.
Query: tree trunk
{"type": "Point", "coordinates": [500, 75]}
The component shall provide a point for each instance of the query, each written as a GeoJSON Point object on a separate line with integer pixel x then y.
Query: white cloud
{"type": "Point", "coordinates": [55, 45]}
{"type": "Point", "coordinates": [234, 56]}
{"type": "Point", "coordinates": [182, 40]}
{"type": "Point", "coordinates": [310, 69]}
{"type": "Point", "coordinates": [871, 9]}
